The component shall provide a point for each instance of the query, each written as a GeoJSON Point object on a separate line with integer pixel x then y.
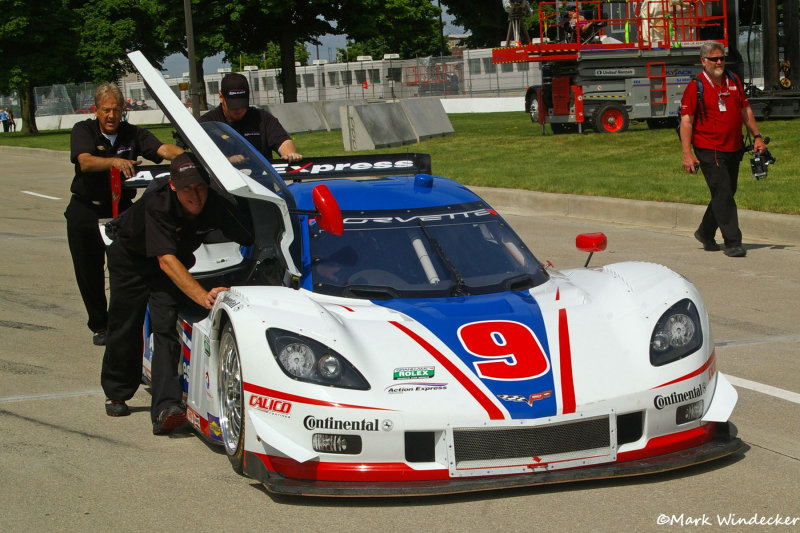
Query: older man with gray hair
{"type": "Point", "coordinates": [713, 110]}
{"type": "Point", "coordinates": [96, 146]}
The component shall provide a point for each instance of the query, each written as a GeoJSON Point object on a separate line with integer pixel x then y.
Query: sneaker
{"type": "Point", "coordinates": [168, 419]}
{"type": "Point", "coordinates": [99, 338]}
{"type": "Point", "coordinates": [709, 245]}
{"type": "Point", "coordinates": [117, 408]}
{"type": "Point", "coordinates": [735, 251]}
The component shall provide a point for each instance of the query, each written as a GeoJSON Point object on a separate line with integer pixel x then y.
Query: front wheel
{"type": "Point", "coordinates": [611, 118]}
{"type": "Point", "coordinates": [231, 398]}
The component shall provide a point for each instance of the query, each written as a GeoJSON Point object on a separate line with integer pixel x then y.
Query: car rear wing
{"type": "Point", "coordinates": [353, 166]}
{"type": "Point", "coordinates": [348, 166]}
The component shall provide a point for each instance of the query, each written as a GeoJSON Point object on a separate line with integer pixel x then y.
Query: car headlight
{"type": "Point", "coordinates": [678, 333]}
{"type": "Point", "coordinates": [305, 359]}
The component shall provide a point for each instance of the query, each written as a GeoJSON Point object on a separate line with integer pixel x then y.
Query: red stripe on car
{"type": "Point", "coordinates": [255, 389]}
{"type": "Point", "coordinates": [565, 358]}
{"type": "Point", "coordinates": [493, 411]}
{"type": "Point", "coordinates": [671, 443]}
{"type": "Point", "coordinates": [363, 472]}
{"type": "Point", "coordinates": [692, 374]}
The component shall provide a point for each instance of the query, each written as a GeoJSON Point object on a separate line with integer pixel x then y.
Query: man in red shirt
{"type": "Point", "coordinates": [714, 128]}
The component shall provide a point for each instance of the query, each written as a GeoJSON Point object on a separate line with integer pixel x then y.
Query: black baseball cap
{"type": "Point", "coordinates": [236, 91]}
{"type": "Point", "coordinates": [184, 170]}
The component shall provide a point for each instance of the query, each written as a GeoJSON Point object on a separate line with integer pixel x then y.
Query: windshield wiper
{"type": "Point", "coordinates": [460, 287]}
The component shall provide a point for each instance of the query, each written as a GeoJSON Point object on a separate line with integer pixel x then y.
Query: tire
{"type": "Point", "coordinates": [611, 118]}
{"type": "Point", "coordinates": [532, 105]}
{"type": "Point", "coordinates": [231, 398]}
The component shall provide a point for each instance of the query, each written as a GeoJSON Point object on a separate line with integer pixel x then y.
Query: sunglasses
{"type": "Point", "coordinates": [715, 59]}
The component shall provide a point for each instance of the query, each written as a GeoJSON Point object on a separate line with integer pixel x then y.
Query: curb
{"type": "Point", "coordinates": [39, 153]}
{"type": "Point", "coordinates": [769, 227]}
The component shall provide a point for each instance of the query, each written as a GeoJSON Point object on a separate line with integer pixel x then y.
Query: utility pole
{"type": "Point", "coordinates": [193, 81]}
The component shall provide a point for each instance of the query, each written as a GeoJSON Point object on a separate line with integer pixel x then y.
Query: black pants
{"type": "Point", "coordinates": [88, 258]}
{"type": "Point", "coordinates": [136, 283]}
{"type": "Point", "coordinates": [721, 171]}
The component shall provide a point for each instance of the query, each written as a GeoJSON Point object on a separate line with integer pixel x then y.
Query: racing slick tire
{"type": "Point", "coordinates": [231, 398]}
{"type": "Point", "coordinates": [611, 118]}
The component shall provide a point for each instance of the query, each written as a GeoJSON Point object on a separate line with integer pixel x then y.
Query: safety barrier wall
{"type": "Point", "coordinates": [371, 126]}
{"type": "Point", "coordinates": [303, 117]}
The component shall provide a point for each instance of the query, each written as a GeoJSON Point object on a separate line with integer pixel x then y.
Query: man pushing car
{"type": "Point", "coordinates": [148, 263]}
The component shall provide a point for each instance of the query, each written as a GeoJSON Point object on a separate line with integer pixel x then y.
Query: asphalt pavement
{"type": "Point", "coordinates": [66, 466]}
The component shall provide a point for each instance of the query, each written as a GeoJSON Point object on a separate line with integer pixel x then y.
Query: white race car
{"type": "Point", "coordinates": [392, 335]}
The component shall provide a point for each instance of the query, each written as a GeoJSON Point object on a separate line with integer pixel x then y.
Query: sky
{"type": "Point", "coordinates": [176, 65]}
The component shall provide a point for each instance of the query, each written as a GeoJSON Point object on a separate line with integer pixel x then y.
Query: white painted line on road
{"type": "Point", "coordinates": [792, 337]}
{"type": "Point", "coordinates": [40, 195]}
{"type": "Point", "coordinates": [51, 396]}
{"type": "Point", "coordinates": [783, 394]}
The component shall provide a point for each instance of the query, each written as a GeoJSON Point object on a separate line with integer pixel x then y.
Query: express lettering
{"type": "Point", "coordinates": [311, 168]}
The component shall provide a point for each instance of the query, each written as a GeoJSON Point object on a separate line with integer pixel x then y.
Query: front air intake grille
{"type": "Point", "coordinates": [487, 444]}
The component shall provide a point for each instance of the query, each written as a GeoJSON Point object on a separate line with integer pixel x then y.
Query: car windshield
{"type": "Point", "coordinates": [245, 157]}
{"type": "Point", "coordinates": [451, 250]}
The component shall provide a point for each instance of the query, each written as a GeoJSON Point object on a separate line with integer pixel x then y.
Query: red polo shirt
{"type": "Point", "coordinates": [717, 130]}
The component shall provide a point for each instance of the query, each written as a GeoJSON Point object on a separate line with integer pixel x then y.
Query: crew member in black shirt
{"type": "Point", "coordinates": [96, 146]}
{"type": "Point", "coordinates": [260, 128]}
{"type": "Point", "coordinates": [148, 263]}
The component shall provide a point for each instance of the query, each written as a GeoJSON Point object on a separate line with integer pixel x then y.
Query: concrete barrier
{"type": "Point", "coordinates": [371, 126]}
{"type": "Point", "coordinates": [51, 122]}
{"type": "Point", "coordinates": [299, 117]}
{"type": "Point", "coordinates": [330, 110]}
{"type": "Point", "coordinates": [427, 117]}
{"type": "Point", "coordinates": [146, 116]}
{"type": "Point", "coordinates": [302, 117]}
{"type": "Point", "coordinates": [483, 105]}
{"type": "Point", "coordinates": [67, 121]}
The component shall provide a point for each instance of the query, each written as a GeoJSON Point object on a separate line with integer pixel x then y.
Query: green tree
{"type": "Point", "coordinates": [269, 58]}
{"type": "Point", "coordinates": [485, 19]}
{"type": "Point", "coordinates": [60, 41]}
{"type": "Point", "coordinates": [109, 29]}
{"type": "Point", "coordinates": [208, 19]}
{"type": "Point", "coordinates": [38, 47]}
{"type": "Point", "coordinates": [406, 27]}
{"type": "Point", "coordinates": [255, 23]}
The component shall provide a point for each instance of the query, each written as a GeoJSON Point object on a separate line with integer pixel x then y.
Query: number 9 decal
{"type": "Point", "coordinates": [515, 349]}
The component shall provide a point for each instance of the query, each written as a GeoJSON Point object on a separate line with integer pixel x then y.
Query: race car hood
{"type": "Point", "coordinates": [226, 179]}
{"type": "Point", "coordinates": [581, 339]}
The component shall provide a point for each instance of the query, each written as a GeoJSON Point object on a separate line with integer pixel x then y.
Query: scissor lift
{"type": "Point", "coordinates": [632, 62]}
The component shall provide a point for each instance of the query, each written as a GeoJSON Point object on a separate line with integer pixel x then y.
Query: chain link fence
{"type": "Point", "coordinates": [469, 75]}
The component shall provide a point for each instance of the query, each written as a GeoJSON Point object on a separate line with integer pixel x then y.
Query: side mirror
{"type": "Point", "coordinates": [591, 242]}
{"type": "Point", "coordinates": [330, 216]}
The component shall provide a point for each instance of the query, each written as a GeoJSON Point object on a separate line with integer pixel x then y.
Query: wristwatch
{"type": "Point", "coordinates": [757, 136]}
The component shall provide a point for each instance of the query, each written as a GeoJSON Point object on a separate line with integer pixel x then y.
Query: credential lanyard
{"type": "Point", "coordinates": [720, 103]}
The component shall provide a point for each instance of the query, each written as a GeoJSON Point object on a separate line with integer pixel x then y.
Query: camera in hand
{"type": "Point", "coordinates": [760, 161]}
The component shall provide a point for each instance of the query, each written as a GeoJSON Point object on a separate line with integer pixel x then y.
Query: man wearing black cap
{"type": "Point", "coordinates": [260, 128]}
{"type": "Point", "coordinates": [148, 264]}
